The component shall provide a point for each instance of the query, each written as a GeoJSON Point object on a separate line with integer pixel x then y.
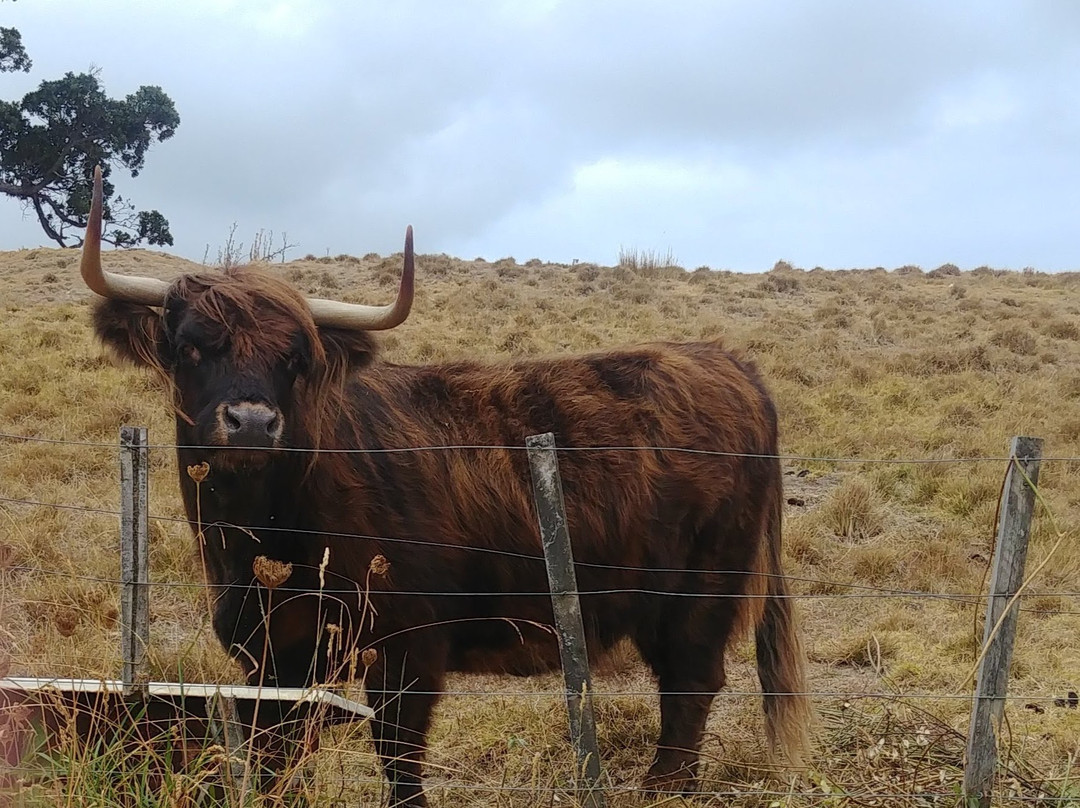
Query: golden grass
{"type": "Point", "coordinates": [868, 364]}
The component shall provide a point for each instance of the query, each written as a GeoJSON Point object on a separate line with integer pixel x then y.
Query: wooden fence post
{"type": "Point", "coordinates": [551, 514]}
{"type": "Point", "coordinates": [134, 560]}
{"type": "Point", "coordinates": [1014, 529]}
{"type": "Point", "coordinates": [228, 731]}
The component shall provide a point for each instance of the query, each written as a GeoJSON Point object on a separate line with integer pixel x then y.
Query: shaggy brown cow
{"type": "Point", "coordinates": [678, 551]}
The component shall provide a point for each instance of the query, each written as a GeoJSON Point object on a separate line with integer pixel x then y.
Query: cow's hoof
{"type": "Point", "coordinates": [679, 781]}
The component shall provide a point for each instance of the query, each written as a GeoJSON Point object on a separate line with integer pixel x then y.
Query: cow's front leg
{"type": "Point", "coordinates": [402, 688]}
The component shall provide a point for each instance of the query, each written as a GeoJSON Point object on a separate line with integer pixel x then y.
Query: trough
{"type": "Point", "coordinates": [163, 725]}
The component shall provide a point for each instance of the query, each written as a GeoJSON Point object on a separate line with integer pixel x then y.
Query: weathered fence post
{"type": "Point", "coordinates": [1014, 529]}
{"type": "Point", "coordinates": [226, 729]}
{"type": "Point", "coordinates": [134, 560]}
{"type": "Point", "coordinates": [551, 514]}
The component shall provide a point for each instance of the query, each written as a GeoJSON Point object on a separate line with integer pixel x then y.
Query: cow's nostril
{"type": "Point", "coordinates": [251, 424]}
{"type": "Point", "coordinates": [232, 419]}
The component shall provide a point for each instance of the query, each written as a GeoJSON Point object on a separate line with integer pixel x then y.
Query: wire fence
{"type": "Point", "coordinates": [460, 447]}
{"type": "Point", "coordinates": [819, 589]}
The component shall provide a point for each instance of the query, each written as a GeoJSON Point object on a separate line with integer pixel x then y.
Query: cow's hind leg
{"type": "Point", "coordinates": [686, 653]}
{"type": "Point", "coordinates": [403, 693]}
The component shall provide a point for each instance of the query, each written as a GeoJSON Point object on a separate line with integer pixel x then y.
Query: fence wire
{"type": "Point", "coordinates": [851, 591]}
{"type": "Point", "coordinates": [484, 447]}
{"type": "Point", "coordinates": [963, 599]}
{"type": "Point", "coordinates": [1058, 700]}
{"type": "Point", "coordinates": [834, 796]}
{"type": "Point", "coordinates": [864, 591]}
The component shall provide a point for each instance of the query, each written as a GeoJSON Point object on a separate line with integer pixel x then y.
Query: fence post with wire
{"type": "Point", "coordinates": [212, 708]}
{"type": "Point", "coordinates": [999, 630]}
{"type": "Point", "coordinates": [551, 514]}
{"type": "Point", "coordinates": [134, 559]}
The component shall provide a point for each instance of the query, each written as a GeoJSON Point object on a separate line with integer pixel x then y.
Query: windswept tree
{"type": "Point", "coordinates": [51, 140]}
{"type": "Point", "coordinates": [12, 53]}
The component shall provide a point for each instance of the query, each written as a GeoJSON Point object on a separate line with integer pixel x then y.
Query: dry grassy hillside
{"type": "Point", "coordinates": [864, 364]}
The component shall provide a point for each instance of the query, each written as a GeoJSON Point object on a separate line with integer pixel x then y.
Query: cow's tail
{"type": "Point", "coordinates": [781, 662]}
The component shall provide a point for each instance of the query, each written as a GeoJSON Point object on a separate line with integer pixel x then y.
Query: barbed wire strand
{"type": "Point", "coordinates": [523, 448]}
{"type": "Point", "coordinates": [614, 694]}
{"type": "Point", "coordinates": [864, 590]}
{"type": "Point", "coordinates": [835, 794]}
{"type": "Point", "coordinates": [962, 599]}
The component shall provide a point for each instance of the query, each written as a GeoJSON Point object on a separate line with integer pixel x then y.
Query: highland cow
{"type": "Point", "coordinates": [408, 564]}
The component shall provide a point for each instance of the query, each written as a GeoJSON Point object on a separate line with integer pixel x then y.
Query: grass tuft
{"type": "Point", "coordinates": [862, 363]}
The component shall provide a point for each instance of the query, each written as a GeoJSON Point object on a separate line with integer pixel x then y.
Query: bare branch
{"type": "Point", "coordinates": [46, 223]}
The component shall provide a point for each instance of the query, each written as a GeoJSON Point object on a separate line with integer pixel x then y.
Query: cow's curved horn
{"type": "Point", "coordinates": [133, 289]}
{"type": "Point", "coordinates": [356, 317]}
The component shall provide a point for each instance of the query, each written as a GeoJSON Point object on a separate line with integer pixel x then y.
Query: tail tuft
{"type": "Point", "coordinates": [781, 662]}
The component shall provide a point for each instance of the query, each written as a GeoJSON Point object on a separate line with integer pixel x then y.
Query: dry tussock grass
{"type": "Point", "coordinates": [863, 363]}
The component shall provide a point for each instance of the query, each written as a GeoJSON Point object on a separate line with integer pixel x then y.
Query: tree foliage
{"type": "Point", "coordinates": [12, 53]}
{"type": "Point", "coordinates": [51, 140]}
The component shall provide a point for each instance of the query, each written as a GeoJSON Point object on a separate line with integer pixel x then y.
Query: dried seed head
{"type": "Point", "coordinates": [333, 628]}
{"type": "Point", "coordinates": [379, 565]}
{"type": "Point", "coordinates": [199, 471]}
{"type": "Point", "coordinates": [369, 656]}
{"type": "Point", "coordinates": [271, 573]}
{"type": "Point", "coordinates": [217, 754]}
{"type": "Point", "coordinates": [322, 567]}
{"type": "Point", "coordinates": [66, 621]}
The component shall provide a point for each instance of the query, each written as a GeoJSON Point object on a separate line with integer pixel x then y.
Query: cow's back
{"type": "Point", "coordinates": [658, 472]}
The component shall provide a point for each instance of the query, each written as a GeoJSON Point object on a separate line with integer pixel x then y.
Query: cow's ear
{"type": "Point", "coordinates": [133, 332]}
{"type": "Point", "coordinates": [352, 349]}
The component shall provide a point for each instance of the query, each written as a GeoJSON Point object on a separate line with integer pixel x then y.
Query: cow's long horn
{"type": "Point", "coordinates": [353, 316]}
{"type": "Point", "coordinates": [133, 289]}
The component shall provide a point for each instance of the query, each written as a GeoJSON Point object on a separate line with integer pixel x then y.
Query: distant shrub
{"type": "Point", "coordinates": [1061, 329]}
{"type": "Point", "coordinates": [833, 314]}
{"type": "Point", "coordinates": [638, 260]}
{"type": "Point", "coordinates": [639, 291]}
{"type": "Point", "coordinates": [1016, 339]}
{"type": "Point", "coordinates": [908, 269]}
{"type": "Point", "coordinates": [944, 271]}
{"type": "Point", "coordinates": [587, 272]}
{"type": "Point", "coordinates": [853, 511]}
{"type": "Point", "coordinates": [779, 283]}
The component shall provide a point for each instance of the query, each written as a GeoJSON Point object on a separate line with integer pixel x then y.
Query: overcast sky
{"type": "Point", "coordinates": [734, 134]}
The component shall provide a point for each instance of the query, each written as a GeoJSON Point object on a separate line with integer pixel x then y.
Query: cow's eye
{"type": "Point", "coordinates": [296, 364]}
{"type": "Point", "coordinates": [189, 354]}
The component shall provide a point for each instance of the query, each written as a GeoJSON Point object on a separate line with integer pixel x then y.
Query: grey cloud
{"type": "Point", "coordinates": [472, 121]}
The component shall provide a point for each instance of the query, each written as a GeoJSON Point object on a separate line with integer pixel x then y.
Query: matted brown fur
{"type": "Point", "coordinates": [256, 312]}
{"type": "Point", "coordinates": [672, 487]}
